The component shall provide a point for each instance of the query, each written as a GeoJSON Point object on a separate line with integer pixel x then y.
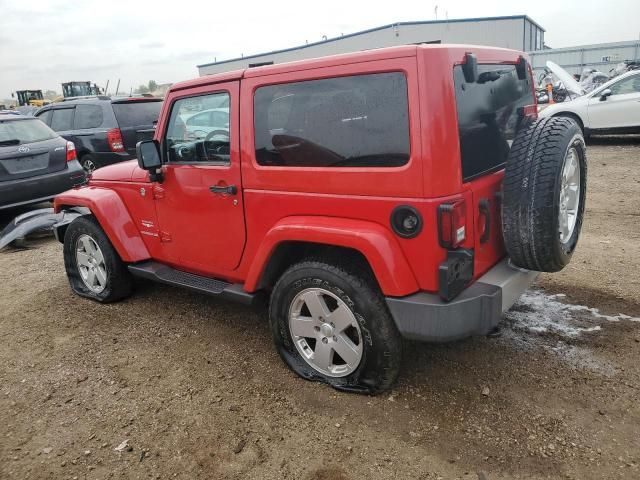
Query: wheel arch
{"type": "Point", "coordinates": [83, 152]}
{"type": "Point", "coordinates": [365, 245]}
{"type": "Point", "coordinates": [574, 116]}
{"type": "Point", "coordinates": [109, 210]}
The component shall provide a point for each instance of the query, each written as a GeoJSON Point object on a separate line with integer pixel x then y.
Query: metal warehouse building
{"type": "Point", "coordinates": [518, 32]}
{"type": "Point", "coordinates": [603, 56]}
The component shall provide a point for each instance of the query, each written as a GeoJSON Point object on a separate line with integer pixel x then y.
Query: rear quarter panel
{"type": "Point", "coordinates": [272, 194]}
{"type": "Point", "coordinates": [432, 177]}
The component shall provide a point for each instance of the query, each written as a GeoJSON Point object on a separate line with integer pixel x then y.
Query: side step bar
{"type": "Point", "coordinates": [165, 274]}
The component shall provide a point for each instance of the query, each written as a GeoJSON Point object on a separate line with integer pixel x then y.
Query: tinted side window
{"type": "Point", "coordinates": [88, 116]}
{"type": "Point", "coordinates": [45, 117]}
{"type": "Point", "coordinates": [490, 113]}
{"type": "Point", "coordinates": [356, 121]}
{"type": "Point", "coordinates": [62, 119]}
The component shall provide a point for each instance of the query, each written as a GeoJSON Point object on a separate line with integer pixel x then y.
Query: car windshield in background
{"type": "Point", "coordinates": [137, 112]}
{"type": "Point", "coordinates": [24, 131]}
{"type": "Point", "coordinates": [490, 112]}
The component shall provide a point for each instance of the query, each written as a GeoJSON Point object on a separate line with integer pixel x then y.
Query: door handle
{"type": "Point", "coordinates": [227, 190]}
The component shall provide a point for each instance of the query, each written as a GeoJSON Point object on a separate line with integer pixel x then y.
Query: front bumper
{"type": "Point", "coordinates": [476, 311]}
{"type": "Point", "coordinates": [25, 191]}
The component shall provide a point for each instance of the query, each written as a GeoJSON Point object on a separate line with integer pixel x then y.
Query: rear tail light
{"type": "Point", "coordinates": [114, 139]}
{"type": "Point", "coordinates": [452, 230]}
{"type": "Point", "coordinates": [530, 111]}
{"type": "Point", "coordinates": [71, 152]}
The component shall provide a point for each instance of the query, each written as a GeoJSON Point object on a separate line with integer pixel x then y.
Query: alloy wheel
{"type": "Point", "coordinates": [569, 195]}
{"type": "Point", "coordinates": [91, 265]}
{"type": "Point", "coordinates": [325, 332]}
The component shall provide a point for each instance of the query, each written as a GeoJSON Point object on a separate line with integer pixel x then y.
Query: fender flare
{"type": "Point", "coordinates": [112, 215]}
{"type": "Point", "coordinates": [376, 243]}
{"type": "Point", "coordinates": [571, 114]}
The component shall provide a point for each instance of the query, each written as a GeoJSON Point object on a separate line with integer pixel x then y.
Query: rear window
{"type": "Point", "coordinates": [88, 116]}
{"type": "Point", "coordinates": [25, 131]}
{"type": "Point", "coordinates": [137, 113]}
{"type": "Point", "coordinates": [356, 121]}
{"type": "Point", "coordinates": [490, 113]}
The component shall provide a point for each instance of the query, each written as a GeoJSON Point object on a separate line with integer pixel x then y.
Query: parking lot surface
{"type": "Point", "coordinates": [195, 388]}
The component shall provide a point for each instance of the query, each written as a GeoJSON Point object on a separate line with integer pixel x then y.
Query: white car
{"type": "Point", "coordinates": [201, 124]}
{"type": "Point", "coordinates": [614, 107]}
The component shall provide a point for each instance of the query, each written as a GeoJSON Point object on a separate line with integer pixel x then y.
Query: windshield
{"type": "Point", "coordinates": [15, 132]}
{"type": "Point", "coordinates": [137, 113]}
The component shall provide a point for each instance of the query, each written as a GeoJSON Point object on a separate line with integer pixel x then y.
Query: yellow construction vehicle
{"type": "Point", "coordinates": [80, 89]}
{"type": "Point", "coordinates": [32, 98]}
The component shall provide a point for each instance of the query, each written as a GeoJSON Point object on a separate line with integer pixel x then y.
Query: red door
{"type": "Point", "coordinates": [487, 221]}
{"type": "Point", "coordinates": [199, 203]}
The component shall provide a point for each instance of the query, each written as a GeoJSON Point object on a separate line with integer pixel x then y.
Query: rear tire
{"type": "Point", "coordinates": [541, 191]}
{"type": "Point", "coordinates": [331, 325]}
{"type": "Point", "coordinates": [93, 266]}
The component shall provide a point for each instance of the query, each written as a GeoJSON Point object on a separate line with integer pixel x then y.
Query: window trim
{"type": "Point", "coordinates": [164, 154]}
{"type": "Point", "coordinates": [303, 76]}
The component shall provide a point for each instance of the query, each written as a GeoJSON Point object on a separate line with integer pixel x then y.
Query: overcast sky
{"type": "Point", "coordinates": [46, 42]}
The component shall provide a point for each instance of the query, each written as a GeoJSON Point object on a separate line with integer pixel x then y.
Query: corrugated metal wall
{"type": "Point", "coordinates": [507, 33]}
{"type": "Point", "coordinates": [604, 56]}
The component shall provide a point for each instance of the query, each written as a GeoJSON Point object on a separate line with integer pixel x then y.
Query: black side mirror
{"type": "Point", "coordinates": [149, 159]}
{"type": "Point", "coordinates": [604, 94]}
{"type": "Point", "coordinates": [470, 68]}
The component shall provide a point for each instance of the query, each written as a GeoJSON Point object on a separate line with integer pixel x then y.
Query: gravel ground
{"type": "Point", "coordinates": [191, 387]}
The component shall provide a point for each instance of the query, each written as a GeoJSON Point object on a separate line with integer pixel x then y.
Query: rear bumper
{"type": "Point", "coordinates": [16, 193]}
{"type": "Point", "coordinates": [476, 311]}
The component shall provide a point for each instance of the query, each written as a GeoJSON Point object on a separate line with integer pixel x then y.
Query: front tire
{"type": "Point", "coordinates": [93, 267]}
{"type": "Point", "coordinates": [332, 325]}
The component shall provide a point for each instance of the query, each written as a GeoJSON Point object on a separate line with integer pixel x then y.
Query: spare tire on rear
{"type": "Point", "coordinates": [544, 194]}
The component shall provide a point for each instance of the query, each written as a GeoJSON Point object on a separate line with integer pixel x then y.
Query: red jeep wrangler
{"type": "Point", "coordinates": [402, 192]}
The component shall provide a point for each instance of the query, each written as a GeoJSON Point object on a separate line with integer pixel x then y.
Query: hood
{"type": "Point", "coordinates": [118, 172]}
{"type": "Point", "coordinates": [565, 77]}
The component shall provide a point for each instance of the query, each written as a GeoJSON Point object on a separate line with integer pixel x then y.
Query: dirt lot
{"type": "Point", "coordinates": [196, 388]}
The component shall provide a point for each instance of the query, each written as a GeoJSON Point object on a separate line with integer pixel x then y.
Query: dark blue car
{"type": "Point", "coordinates": [35, 162]}
{"type": "Point", "coordinates": [104, 129]}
